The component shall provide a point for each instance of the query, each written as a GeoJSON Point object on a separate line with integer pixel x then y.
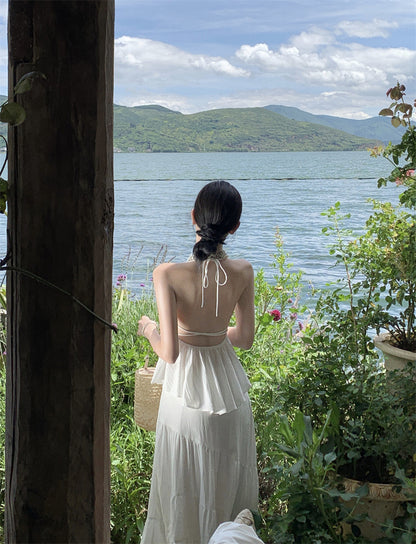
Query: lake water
{"type": "Point", "coordinates": [154, 194]}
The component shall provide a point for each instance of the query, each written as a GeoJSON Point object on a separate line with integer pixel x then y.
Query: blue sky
{"type": "Point", "coordinates": [334, 57]}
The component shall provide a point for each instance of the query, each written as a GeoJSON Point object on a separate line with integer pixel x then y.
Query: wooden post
{"type": "Point", "coordinates": [61, 226]}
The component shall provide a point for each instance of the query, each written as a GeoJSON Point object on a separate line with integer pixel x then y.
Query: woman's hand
{"type": "Point", "coordinates": [145, 325]}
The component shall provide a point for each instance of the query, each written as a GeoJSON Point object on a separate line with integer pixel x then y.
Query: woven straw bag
{"type": "Point", "coordinates": [146, 397]}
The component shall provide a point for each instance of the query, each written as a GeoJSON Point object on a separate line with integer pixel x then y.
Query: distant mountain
{"type": "Point", "coordinates": [157, 129]}
{"type": "Point", "coordinates": [378, 128]}
{"type": "Point", "coordinates": [272, 128]}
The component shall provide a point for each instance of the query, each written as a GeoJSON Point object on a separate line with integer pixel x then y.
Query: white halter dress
{"type": "Point", "coordinates": [204, 470]}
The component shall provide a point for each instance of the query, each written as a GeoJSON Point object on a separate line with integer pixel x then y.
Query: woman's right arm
{"type": "Point", "coordinates": [242, 334]}
{"type": "Point", "coordinates": [164, 344]}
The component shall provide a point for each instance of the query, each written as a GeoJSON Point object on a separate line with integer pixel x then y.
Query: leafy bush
{"type": "Point", "coordinates": [131, 447]}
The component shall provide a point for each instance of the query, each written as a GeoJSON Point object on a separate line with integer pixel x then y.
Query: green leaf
{"type": "Point", "coordinates": [296, 468]}
{"type": "Point", "coordinates": [404, 108]}
{"type": "Point", "coordinates": [290, 451]}
{"type": "Point", "coordinates": [3, 185]}
{"type": "Point", "coordinates": [352, 454]}
{"type": "Point", "coordinates": [299, 427]}
{"type": "Point", "coordinates": [308, 429]}
{"type": "Point", "coordinates": [407, 538]}
{"type": "Point", "coordinates": [386, 112]}
{"type": "Point", "coordinates": [362, 491]}
{"type": "Point", "coordinates": [330, 457]}
{"type": "Point", "coordinates": [12, 113]}
{"type": "Point", "coordinates": [3, 204]}
{"type": "Point", "coordinates": [25, 82]}
{"type": "Point", "coordinates": [395, 121]}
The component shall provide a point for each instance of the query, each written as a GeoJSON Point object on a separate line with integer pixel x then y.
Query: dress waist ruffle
{"type": "Point", "coordinates": [207, 378]}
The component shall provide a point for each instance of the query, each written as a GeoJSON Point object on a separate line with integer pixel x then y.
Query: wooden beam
{"type": "Point", "coordinates": [61, 226]}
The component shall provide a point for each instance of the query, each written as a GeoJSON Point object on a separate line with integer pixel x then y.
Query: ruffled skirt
{"type": "Point", "coordinates": [204, 470]}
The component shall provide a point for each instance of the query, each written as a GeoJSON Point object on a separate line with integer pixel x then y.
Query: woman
{"type": "Point", "coordinates": [204, 469]}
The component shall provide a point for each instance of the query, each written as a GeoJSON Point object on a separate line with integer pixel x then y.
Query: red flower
{"type": "Point", "coordinates": [276, 315]}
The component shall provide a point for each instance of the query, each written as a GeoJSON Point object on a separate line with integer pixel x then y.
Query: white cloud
{"type": "Point", "coordinates": [317, 59]}
{"type": "Point", "coordinates": [375, 28]}
{"type": "Point", "coordinates": [171, 101]}
{"type": "Point", "coordinates": [313, 38]}
{"type": "Point", "coordinates": [146, 60]}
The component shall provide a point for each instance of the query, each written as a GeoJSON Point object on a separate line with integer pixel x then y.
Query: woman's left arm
{"type": "Point", "coordinates": [242, 334]}
{"type": "Point", "coordinates": [164, 343]}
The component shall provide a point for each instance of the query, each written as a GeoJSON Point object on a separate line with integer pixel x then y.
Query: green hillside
{"type": "Point", "coordinates": [157, 129]}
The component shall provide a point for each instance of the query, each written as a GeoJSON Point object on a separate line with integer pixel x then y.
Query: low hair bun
{"type": "Point", "coordinates": [211, 232]}
{"type": "Point", "coordinates": [217, 211]}
{"type": "Point", "coordinates": [204, 248]}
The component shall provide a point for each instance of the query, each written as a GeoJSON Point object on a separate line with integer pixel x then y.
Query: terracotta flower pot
{"type": "Point", "coordinates": [381, 504]}
{"type": "Point", "coordinates": [394, 358]}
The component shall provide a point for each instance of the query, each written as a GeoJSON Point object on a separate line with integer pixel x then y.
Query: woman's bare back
{"type": "Point", "coordinates": [234, 277]}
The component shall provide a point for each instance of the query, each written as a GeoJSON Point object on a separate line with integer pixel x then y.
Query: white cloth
{"type": "Point", "coordinates": [210, 379]}
{"type": "Point", "coordinates": [235, 533]}
{"type": "Point", "coordinates": [204, 469]}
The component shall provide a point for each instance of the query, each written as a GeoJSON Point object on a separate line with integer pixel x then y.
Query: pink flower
{"type": "Point", "coordinates": [121, 278]}
{"type": "Point", "coordinates": [408, 174]}
{"type": "Point", "coordinates": [275, 314]}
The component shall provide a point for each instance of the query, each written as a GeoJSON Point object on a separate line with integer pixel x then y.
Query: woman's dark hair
{"type": "Point", "coordinates": [217, 211]}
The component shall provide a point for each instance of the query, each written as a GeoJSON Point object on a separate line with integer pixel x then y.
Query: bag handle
{"type": "Point", "coordinates": [146, 363]}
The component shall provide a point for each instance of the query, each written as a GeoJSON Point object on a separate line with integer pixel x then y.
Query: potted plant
{"type": "Point", "coordinates": [370, 440]}
{"type": "Point", "coordinates": [393, 229]}
{"type": "Point", "coordinates": [371, 437]}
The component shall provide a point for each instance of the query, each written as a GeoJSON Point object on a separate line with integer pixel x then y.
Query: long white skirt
{"type": "Point", "coordinates": [204, 470]}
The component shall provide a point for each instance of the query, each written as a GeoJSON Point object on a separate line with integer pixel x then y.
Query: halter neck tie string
{"type": "Point", "coordinates": [205, 281]}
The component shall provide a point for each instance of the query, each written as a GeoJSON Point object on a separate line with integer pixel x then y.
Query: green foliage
{"type": "Point", "coordinates": [279, 320]}
{"type": "Point", "coordinates": [13, 114]}
{"type": "Point", "coordinates": [402, 174]}
{"type": "Point", "coordinates": [303, 464]}
{"type": "Point", "coordinates": [390, 245]}
{"type": "Point", "coordinates": [152, 128]}
{"type": "Point", "coordinates": [131, 447]}
{"type": "Point", "coordinates": [380, 273]}
{"type": "Point", "coordinates": [4, 187]}
{"type": "Point", "coordinates": [371, 428]}
{"type": "Point", "coordinates": [350, 307]}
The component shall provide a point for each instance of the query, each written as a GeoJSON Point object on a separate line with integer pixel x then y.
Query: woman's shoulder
{"type": "Point", "coordinates": [169, 269]}
{"type": "Point", "coordinates": [241, 265]}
